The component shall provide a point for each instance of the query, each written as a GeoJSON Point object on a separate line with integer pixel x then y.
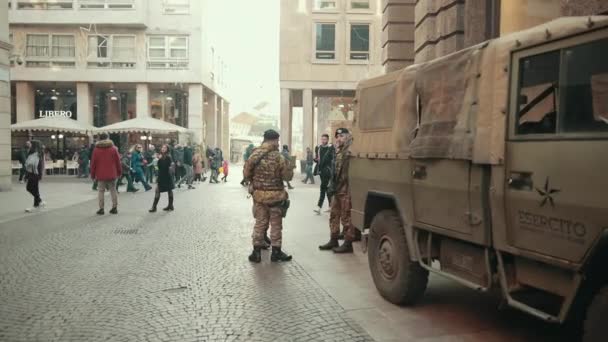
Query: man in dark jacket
{"type": "Point", "coordinates": [246, 156]}
{"type": "Point", "coordinates": [310, 159]}
{"type": "Point", "coordinates": [22, 158]}
{"type": "Point", "coordinates": [324, 157]}
{"type": "Point", "coordinates": [106, 168]}
{"type": "Point", "coordinates": [126, 172]}
{"type": "Point", "coordinates": [288, 159]}
{"type": "Point", "coordinates": [149, 157]}
{"type": "Point", "coordinates": [84, 159]}
{"type": "Point", "coordinates": [178, 159]}
{"type": "Point", "coordinates": [187, 167]}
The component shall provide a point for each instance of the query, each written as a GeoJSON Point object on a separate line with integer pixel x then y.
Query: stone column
{"type": "Point", "coordinates": [195, 112]}
{"type": "Point", "coordinates": [397, 34]}
{"type": "Point", "coordinates": [5, 113]}
{"type": "Point", "coordinates": [143, 101]}
{"type": "Point", "coordinates": [210, 116]}
{"type": "Point", "coordinates": [84, 103]}
{"type": "Point", "coordinates": [226, 127]}
{"type": "Point", "coordinates": [308, 117]}
{"type": "Point", "coordinates": [25, 101]}
{"type": "Point", "coordinates": [439, 28]}
{"type": "Point", "coordinates": [219, 119]}
{"type": "Point", "coordinates": [286, 117]}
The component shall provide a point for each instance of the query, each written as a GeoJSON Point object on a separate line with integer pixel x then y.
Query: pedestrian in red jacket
{"type": "Point", "coordinates": [106, 168]}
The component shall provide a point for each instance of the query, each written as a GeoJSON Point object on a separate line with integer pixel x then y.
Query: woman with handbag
{"type": "Point", "coordinates": [164, 181]}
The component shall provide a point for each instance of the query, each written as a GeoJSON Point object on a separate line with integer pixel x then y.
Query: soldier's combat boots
{"type": "Point", "coordinates": [333, 243]}
{"type": "Point", "coordinates": [256, 255]}
{"type": "Point", "coordinates": [347, 247]}
{"type": "Point", "coordinates": [278, 255]}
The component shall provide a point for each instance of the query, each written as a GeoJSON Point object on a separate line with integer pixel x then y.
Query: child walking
{"type": "Point", "coordinates": [225, 167]}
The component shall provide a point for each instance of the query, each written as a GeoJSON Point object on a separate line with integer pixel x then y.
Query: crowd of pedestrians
{"type": "Point", "coordinates": [171, 166]}
{"type": "Point", "coordinates": [267, 172]}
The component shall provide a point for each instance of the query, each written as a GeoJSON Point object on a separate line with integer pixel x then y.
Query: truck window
{"type": "Point", "coordinates": [585, 89]}
{"type": "Point", "coordinates": [537, 93]}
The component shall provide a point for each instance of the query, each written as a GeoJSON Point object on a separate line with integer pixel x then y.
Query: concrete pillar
{"type": "Point", "coordinates": [439, 28]}
{"type": "Point", "coordinates": [308, 118]}
{"type": "Point", "coordinates": [5, 123]}
{"type": "Point", "coordinates": [210, 119]}
{"type": "Point", "coordinates": [219, 121]}
{"type": "Point", "coordinates": [143, 101]}
{"type": "Point", "coordinates": [195, 112]}
{"type": "Point", "coordinates": [84, 103]}
{"type": "Point", "coordinates": [25, 101]}
{"type": "Point", "coordinates": [397, 34]}
{"type": "Point", "coordinates": [226, 128]}
{"type": "Point", "coordinates": [286, 117]}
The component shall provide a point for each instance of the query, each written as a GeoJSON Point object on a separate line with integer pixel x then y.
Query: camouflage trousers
{"type": "Point", "coordinates": [340, 212]}
{"type": "Point", "coordinates": [266, 215]}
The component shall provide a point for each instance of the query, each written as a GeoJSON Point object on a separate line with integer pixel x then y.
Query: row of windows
{"type": "Point", "coordinates": [334, 5]}
{"type": "Point", "coordinates": [106, 51]}
{"type": "Point", "coordinates": [169, 6]}
{"type": "Point", "coordinates": [325, 42]}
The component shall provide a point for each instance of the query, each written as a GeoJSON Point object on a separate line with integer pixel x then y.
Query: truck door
{"type": "Point", "coordinates": [557, 148]}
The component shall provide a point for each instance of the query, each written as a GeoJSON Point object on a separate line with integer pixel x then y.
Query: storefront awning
{"type": "Point", "coordinates": [53, 124]}
{"type": "Point", "coordinates": [142, 125]}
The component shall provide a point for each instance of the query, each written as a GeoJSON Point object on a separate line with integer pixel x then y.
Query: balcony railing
{"type": "Point", "coordinates": [168, 64]}
{"type": "Point", "coordinates": [73, 4]}
{"type": "Point", "coordinates": [45, 4]}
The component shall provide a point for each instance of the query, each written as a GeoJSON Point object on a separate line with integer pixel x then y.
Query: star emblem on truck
{"type": "Point", "coordinates": [547, 194]}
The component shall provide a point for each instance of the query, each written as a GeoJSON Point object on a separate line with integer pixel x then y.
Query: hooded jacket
{"type": "Point", "coordinates": [105, 163]}
{"type": "Point", "coordinates": [266, 170]}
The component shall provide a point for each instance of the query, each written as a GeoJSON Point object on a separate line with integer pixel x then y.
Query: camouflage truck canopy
{"type": "Point", "coordinates": [455, 107]}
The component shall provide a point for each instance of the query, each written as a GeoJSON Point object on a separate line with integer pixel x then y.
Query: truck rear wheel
{"type": "Point", "coordinates": [398, 279]}
{"type": "Point", "coordinates": [595, 328]}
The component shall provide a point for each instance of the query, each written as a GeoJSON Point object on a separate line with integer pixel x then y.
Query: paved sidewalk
{"type": "Point", "coordinates": [58, 192]}
{"type": "Point", "coordinates": [69, 275]}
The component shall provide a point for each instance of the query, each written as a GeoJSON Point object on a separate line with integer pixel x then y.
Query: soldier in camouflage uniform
{"type": "Point", "coordinates": [339, 190]}
{"type": "Point", "coordinates": [266, 170]}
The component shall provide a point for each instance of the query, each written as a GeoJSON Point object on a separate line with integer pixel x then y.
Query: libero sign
{"type": "Point", "coordinates": [55, 113]}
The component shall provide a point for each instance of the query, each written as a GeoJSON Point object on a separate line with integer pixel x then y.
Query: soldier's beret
{"type": "Point", "coordinates": [341, 131]}
{"type": "Point", "coordinates": [271, 134]}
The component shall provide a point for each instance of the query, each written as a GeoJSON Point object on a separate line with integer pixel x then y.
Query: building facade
{"type": "Point", "coordinates": [326, 48]}
{"type": "Point", "coordinates": [440, 27]}
{"type": "Point", "coordinates": [5, 103]}
{"type": "Point", "coordinates": [398, 28]}
{"type": "Point", "coordinates": [107, 61]}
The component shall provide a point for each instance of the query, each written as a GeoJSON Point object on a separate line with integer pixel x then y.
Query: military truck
{"type": "Point", "coordinates": [490, 167]}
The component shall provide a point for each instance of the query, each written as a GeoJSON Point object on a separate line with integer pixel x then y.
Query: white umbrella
{"type": "Point", "coordinates": [54, 124]}
{"type": "Point", "coordinates": [142, 125]}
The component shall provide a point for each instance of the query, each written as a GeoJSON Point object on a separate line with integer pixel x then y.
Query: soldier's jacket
{"type": "Point", "coordinates": [339, 183]}
{"type": "Point", "coordinates": [268, 175]}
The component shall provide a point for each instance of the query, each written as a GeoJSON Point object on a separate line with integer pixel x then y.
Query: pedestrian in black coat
{"type": "Point", "coordinates": [165, 182]}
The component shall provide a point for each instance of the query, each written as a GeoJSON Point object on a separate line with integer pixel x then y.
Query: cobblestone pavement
{"type": "Point", "coordinates": [68, 275]}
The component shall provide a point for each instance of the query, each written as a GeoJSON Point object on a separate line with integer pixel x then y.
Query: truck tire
{"type": "Point", "coordinates": [596, 322]}
{"type": "Point", "coordinates": [398, 279]}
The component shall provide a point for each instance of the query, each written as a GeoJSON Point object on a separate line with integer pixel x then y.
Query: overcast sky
{"type": "Point", "coordinates": [249, 45]}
